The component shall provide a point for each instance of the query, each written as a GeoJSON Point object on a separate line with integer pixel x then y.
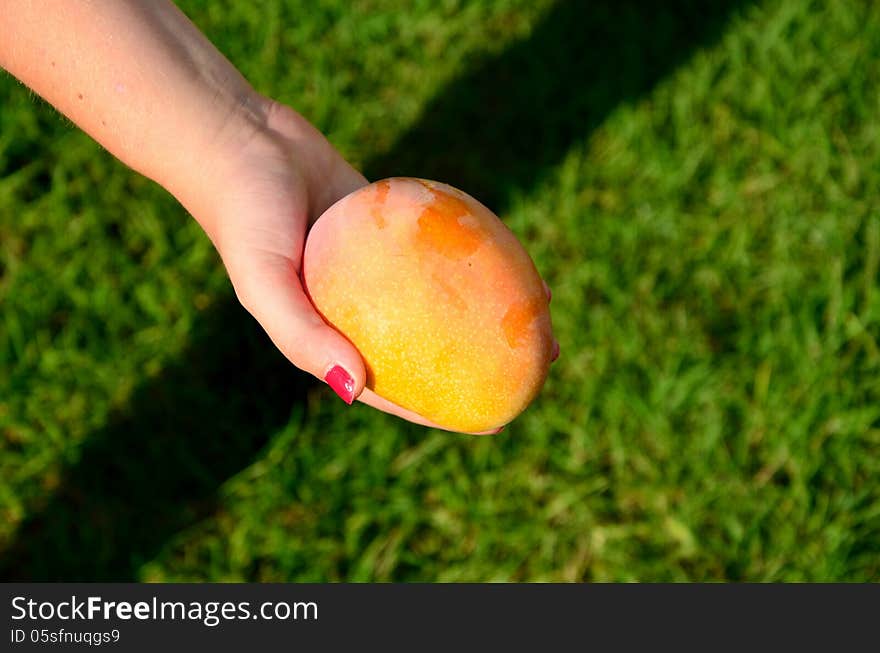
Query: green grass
{"type": "Point", "coordinates": [698, 187]}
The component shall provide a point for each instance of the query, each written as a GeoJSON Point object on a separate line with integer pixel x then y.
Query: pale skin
{"type": "Point", "coordinates": [144, 82]}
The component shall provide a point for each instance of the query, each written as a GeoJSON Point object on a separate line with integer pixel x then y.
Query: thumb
{"type": "Point", "coordinates": [271, 291]}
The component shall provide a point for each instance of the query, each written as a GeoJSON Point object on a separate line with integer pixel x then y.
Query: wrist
{"type": "Point", "coordinates": [210, 165]}
{"type": "Point", "coordinates": [264, 140]}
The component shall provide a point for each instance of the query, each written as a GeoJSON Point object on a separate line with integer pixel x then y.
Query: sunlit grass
{"type": "Point", "coordinates": [713, 247]}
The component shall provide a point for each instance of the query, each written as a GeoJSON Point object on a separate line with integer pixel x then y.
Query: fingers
{"type": "Point", "coordinates": [370, 398]}
{"type": "Point", "coordinates": [273, 294]}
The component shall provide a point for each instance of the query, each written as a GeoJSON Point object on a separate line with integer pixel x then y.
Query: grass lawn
{"type": "Point", "coordinates": [698, 186]}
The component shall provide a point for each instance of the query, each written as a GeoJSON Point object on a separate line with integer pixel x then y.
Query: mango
{"type": "Point", "coordinates": [439, 297]}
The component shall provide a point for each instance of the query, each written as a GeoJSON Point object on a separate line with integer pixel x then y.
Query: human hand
{"type": "Point", "coordinates": [253, 173]}
{"type": "Point", "coordinates": [280, 180]}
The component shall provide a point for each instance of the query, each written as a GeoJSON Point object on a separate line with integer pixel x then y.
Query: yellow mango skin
{"type": "Point", "coordinates": [440, 298]}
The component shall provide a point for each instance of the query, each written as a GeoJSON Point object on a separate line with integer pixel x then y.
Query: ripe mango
{"type": "Point", "coordinates": [438, 295]}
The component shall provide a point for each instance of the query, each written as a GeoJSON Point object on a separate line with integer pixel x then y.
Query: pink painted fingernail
{"type": "Point", "coordinates": [554, 354]}
{"type": "Point", "coordinates": [342, 383]}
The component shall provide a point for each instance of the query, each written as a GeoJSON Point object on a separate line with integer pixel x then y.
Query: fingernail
{"type": "Point", "coordinates": [342, 383]}
{"type": "Point", "coordinates": [554, 354]}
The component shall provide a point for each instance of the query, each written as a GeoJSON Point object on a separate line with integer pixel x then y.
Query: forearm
{"type": "Point", "coordinates": [138, 77]}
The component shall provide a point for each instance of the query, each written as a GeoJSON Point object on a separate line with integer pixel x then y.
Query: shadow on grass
{"type": "Point", "coordinates": [506, 124]}
{"type": "Point", "coordinates": [155, 468]}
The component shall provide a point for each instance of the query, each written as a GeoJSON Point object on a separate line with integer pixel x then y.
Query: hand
{"type": "Point", "coordinates": [253, 173]}
{"type": "Point", "coordinates": [276, 185]}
